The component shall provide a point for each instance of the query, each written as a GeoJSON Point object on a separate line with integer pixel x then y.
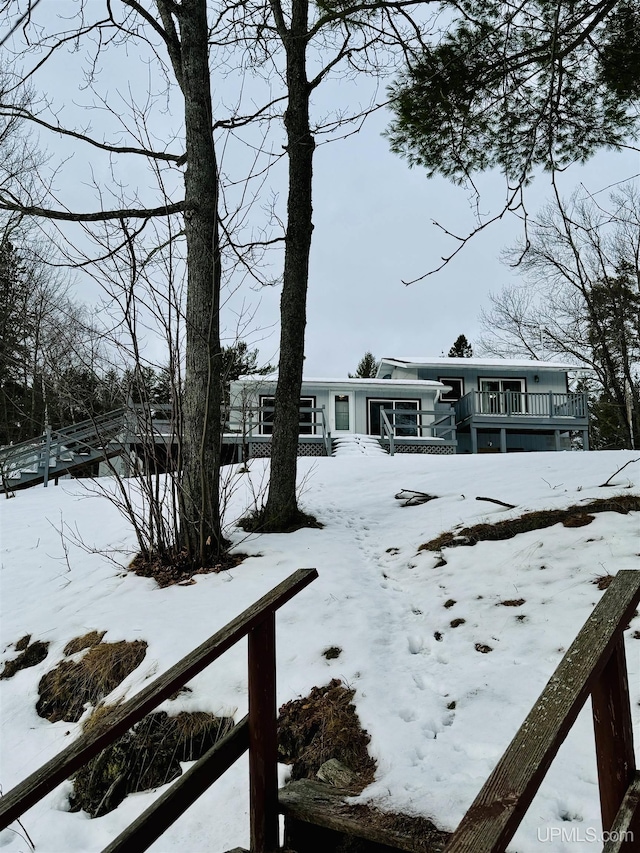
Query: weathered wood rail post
{"type": "Point", "coordinates": [263, 737]}
{"type": "Point", "coordinates": [256, 732]}
{"type": "Point", "coordinates": [595, 666]}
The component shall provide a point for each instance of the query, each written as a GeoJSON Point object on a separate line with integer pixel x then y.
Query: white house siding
{"type": "Point", "coordinates": [247, 392]}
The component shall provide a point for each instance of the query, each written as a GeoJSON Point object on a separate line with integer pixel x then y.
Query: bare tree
{"type": "Point", "coordinates": [305, 45]}
{"type": "Point", "coordinates": [580, 299]}
{"type": "Point", "coordinates": [173, 36]}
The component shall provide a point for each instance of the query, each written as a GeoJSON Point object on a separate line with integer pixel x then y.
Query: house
{"type": "Point", "coordinates": [414, 405]}
{"type": "Point", "coordinates": [407, 415]}
{"type": "Point", "coordinates": [502, 405]}
{"type": "Point", "coordinates": [421, 405]}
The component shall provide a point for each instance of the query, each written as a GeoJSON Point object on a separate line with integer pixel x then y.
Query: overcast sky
{"type": "Point", "coordinates": [373, 229]}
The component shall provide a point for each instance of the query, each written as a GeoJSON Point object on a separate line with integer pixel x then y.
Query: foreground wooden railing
{"type": "Point", "coordinates": [256, 732]}
{"type": "Point", "coordinates": [594, 665]}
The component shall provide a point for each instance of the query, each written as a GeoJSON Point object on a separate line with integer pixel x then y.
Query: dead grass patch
{"type": "Point", "coordinates": [512, 602]}
{"type": "Point", "coordinates": [321, 726]}
{"type": "Point", "coordinates": [603, 581]}
{"type": "Point", "coordinates": [65, 690]}
{"type": "Point", "coordinates": [574, 516]}
{"type": "Point", "coordinates": [483, 648]}
{"type": "Point", "coordinates": [86, 641]}
{"type": "Point", "coordinates": [180, 569]}
{"type": "Point", "coordinates": [332, 652]}
{"type": "Point", "coordinates": [31, 654]}
{"type": "Point", "coordinates": [147, 756]}
{"type": "Point", "coordinates": [578, 520]}
{"type": "Point", "coordinates": [455, 623]}
{"type": "Point", "coordinates": [22, 643]}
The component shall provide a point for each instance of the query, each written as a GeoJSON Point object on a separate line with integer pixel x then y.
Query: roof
{"type": "Point", "coordinates": [428, 361]}
{"type": "Point", "coordinates": [421, 383]}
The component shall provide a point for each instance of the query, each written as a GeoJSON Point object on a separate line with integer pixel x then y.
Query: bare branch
{"type": "Point", "coordinates": [21, 113]}
{"type": "Point", "coordinates": [98, 216]}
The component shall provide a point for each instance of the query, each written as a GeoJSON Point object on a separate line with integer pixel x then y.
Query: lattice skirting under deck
{"type": "Point", "coordinates": [440, 449]}
{"type": "Point", "coordinates": [262, 450]}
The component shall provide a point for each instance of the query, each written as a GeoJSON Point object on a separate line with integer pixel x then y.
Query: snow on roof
{"type": "Point", "coordinates": [428, 361]}
{"type": "Point", "coordinates": [342, 381]}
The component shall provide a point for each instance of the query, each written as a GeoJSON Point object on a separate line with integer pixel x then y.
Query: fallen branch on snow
{"type": "Point", "coordinates": [413, 498]}
{"type": "Point", "coordinates": [617, 472]}
{"type": "Point", "coordinates": [500, 503]}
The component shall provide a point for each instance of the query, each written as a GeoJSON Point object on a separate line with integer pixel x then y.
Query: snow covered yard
{"type": "Point", "coordinates": [444, 671]}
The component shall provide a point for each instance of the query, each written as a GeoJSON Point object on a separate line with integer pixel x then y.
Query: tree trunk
{"type": "Point", "coordinates": [281, 511]}
{"type": "Point", "coordinates": [200, 531]}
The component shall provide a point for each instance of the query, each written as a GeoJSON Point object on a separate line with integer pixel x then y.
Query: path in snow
{"type": "Point", "coordinates": [375, 576]}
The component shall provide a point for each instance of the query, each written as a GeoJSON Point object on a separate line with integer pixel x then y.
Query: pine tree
{"type": "Point", "coordinates": [541, 84]}
{"type": "Point", "coordinates": [14, 349]}
{"type": "Point", "coordinates": [461, 348]}
{"type": "Point", "coordinates": [367, 367]}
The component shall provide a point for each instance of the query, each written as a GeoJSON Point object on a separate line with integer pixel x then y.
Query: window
{"type": "Point", "coordinates": [457, 389]}
{"type": "Point", "coordinates": [341, 407]}
{"type": "Point", "coordinates": [502, 396]}
{"type": "Point", "coordinates": [404, 417]}
{"type": "Point", "coordinates": [307, 420]}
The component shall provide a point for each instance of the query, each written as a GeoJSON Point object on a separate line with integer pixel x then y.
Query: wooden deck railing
{"type": "Point", "coordinates": [412, 423]}
{"type": "Point", "coordinates": [255, 423]}
{"type": "Point", "coordinates": [256, 732]}
{"type": "Point", "coordinates": [522, 404]}
{"type": "Point", "coordinates": [595, 665]}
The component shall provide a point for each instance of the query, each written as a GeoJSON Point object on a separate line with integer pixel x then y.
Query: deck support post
{"type": "Point", "coordinates": [503, 440]}
{"type": "Point", "coordinates": [556, 436]}
{"type": "Point", "coordinates": [474, 440]}
{"type": "Point", "coordinates": [585, 439]}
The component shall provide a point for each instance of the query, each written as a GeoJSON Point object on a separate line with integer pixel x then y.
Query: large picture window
{"type": "Point", "coordinates": [307, 420]}
{"type": "Point", "coordinates": [501, 396]}
{"type": "Point", "coordinates": [404, 417]}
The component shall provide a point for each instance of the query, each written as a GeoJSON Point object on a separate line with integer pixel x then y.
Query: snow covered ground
{"type": "Point", "coordinates": [377, 598]}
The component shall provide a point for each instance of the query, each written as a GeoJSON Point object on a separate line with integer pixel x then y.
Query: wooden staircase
{"type": "Point", "coordinates": [62, 451]}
